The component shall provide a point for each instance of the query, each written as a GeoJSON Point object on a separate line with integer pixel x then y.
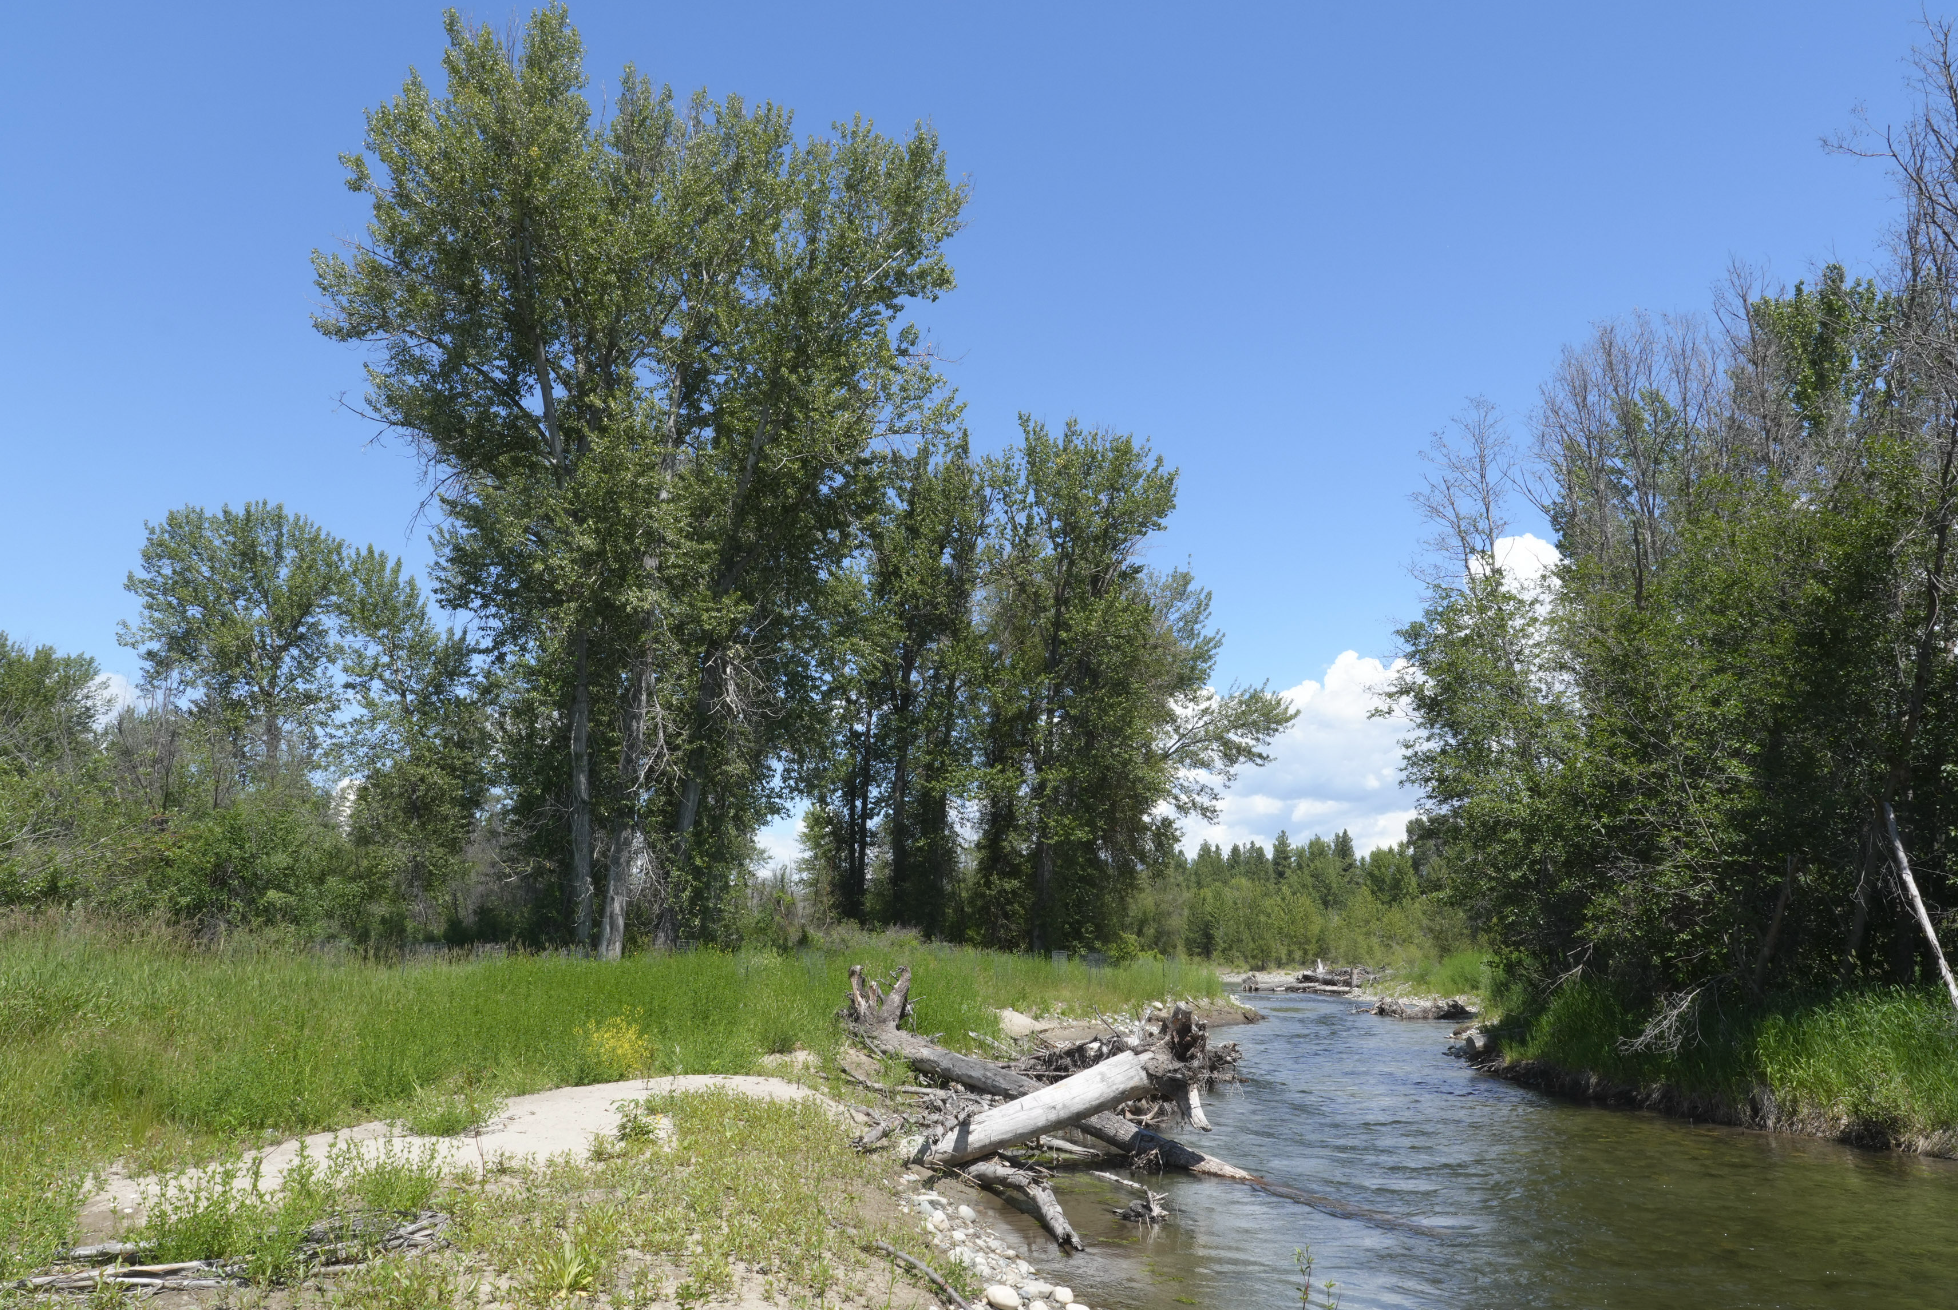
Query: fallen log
{"type": "Point", "coordinates": [875, 1019]}
{"type": "Point", "coordinates": [1060, 1105]}
{"type": "Point", "coordinates": [1149, 1210]}
{"type": "Point", "coordinates": [876, 1022]}
{"type": "Point", "coordinates": [998, 1173]}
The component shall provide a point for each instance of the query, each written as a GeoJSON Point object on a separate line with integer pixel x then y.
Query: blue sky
{"type": "Point", "coordinates": [1282, 242]}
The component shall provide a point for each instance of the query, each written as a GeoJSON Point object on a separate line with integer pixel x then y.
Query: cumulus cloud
{"type": "Point", "coordinates": [1527, 558]}
{"type": "Point", "coordinates": [778, 841]}
{"type": "Point", "coordinates": [1335, 768]}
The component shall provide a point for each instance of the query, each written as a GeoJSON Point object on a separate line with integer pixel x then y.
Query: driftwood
{"type": "Point", "coordinates": [1025, 1118]}
{"type": "Point", "coordinates": [1148, 1210]}
{"type": "Point", "coordinates": [1000, 1173]}
{"type": "Point", "coordinates": [875, 1018]}
{"type": "Point", "coordinates": [873, 1015]}
{"type": "Point", "coordinates": [945, 1289]}
{"type": "Point", "coordinates": [330, 1245]}
{"type": "Point", "coordinates": [1436, 1007]}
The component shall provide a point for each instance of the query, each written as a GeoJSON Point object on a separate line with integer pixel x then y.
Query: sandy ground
{"type": "Point", "coordinates": [530, 1129]}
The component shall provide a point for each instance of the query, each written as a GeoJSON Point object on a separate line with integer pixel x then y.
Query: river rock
{"type": "Point", "coordinates": [967, 1213]}
{"type": "Point", "coordinates": [1062, 1296]}
{"type": "Point", "coordinates": [1002, 1297]}
{"type": "Point", "coordinates": [1036, 1290]}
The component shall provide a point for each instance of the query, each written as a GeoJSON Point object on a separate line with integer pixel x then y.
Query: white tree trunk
{"type": "Point", "coordinates": [1917, 902]}
{"type": "Point", "coordinates": [1100, 1087]}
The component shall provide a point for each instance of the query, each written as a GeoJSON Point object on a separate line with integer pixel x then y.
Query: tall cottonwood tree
{"type": "Point", "coordinates": [1020, 704]}
{"type": "Point", "coordinates": [647, 358]}
{"type": "Point", "coordinates": [1098, 709]}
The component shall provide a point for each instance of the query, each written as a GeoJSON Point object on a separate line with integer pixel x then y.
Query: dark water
{"type": "Point", "coordinates": [1538, 1202]}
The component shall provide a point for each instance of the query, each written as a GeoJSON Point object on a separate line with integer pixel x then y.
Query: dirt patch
{"type": "Point", "coordinates": [530, 1130]}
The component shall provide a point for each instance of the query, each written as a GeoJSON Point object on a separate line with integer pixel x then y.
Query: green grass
{"type": "Point", "coordinates": [1461, 973]}
{"type": "Point", "coordinates": [1879, 1065]}
{"type": "Point", "coordinates": [766, 1184]}
{"type": "Point", "coordinates": [131, 1042]}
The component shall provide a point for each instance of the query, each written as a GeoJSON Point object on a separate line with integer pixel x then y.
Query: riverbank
{"type": "Point", "coordinates": [131, 1043]}
{"type": "Point", "coordinates": [1875, 1068]}
{"type": "Point", "coordinates": [651, 1193]}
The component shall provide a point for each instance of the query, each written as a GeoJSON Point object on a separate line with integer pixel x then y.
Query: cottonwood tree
{"type": "Point", "coordinates": [1676, 770]}
{"type": "Point", "coordinates": [239, 606]}
{"type": "Point", "coordinates": [1096, 702]}
{"type": "Point", "coordinates": [645, 359]}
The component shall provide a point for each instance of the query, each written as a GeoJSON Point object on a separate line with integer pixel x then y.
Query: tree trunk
{"type": "Point", "coordinates": [1774, 926]}
{"type": "Point", "coordinates": [1099, 1087]}
{"type": "Point", "coordinates": [998, 1173]}
{"type": "Point", "coordinates": [628, 842]}
{"type": "Point", "coordinates": [1917, 903]}
{"type": "Point", "coordinates": [1859, 915]}
{"type": "Point", "coordinates": [581, 888]}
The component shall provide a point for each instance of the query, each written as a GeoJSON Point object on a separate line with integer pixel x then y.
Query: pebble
{"type": "Point", "coordinates": [1012, 1282]}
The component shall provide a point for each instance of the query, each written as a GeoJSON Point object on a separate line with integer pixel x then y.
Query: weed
{"type": "Point", "coordinates": [1302, 1259]}
{"type": "Point", "coordinates": [618, 1048]}
{"type": "Point", "coordinates": [461, 1104]}
{"type": "Point", "coordinates": [570, 1269]}
{"type": "Point", "coordinates": [403, 1282]}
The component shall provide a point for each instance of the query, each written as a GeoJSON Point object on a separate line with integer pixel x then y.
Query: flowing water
{"type": "Point", "coordinates": [1525, 1199]}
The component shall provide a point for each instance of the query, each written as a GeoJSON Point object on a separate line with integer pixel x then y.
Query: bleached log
{"type": "Point", "coordinates": [927, 1057]}
{"type": "Point", "coordinates": [1069, 1101]}
{"type": "Point", "coordinates": [1188, 1102]}
{"type": "Point", "coordinates": [1917, 902]}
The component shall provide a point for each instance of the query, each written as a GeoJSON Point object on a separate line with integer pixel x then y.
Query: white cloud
{"type": "Point", "coordinates": [1335, 767]}
{"type": "Point", "coordinates": [118, 693]}
{"type": "Point", "coordinates": [1527, 558]}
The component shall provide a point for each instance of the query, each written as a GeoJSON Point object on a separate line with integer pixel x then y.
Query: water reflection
{"type": "Point", "coordinates": [1542, 1202]}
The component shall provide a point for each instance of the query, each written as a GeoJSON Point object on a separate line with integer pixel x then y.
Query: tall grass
{"type": "Point", "coordinates": [134, 1042]}
{"type": "Point", "coordinates": [1878, 1065]}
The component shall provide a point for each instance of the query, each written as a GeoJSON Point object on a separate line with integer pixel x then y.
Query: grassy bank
{"type": "Point", "coordinates": [133, 1042]}
{"type": "Point", "coordinates": [1879, 1067]}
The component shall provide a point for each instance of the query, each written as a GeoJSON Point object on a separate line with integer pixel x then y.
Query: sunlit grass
{"type": "Point", "coordinates": [135, 1043]}
{"type": "Point", "coordinates": [1880, 1064]}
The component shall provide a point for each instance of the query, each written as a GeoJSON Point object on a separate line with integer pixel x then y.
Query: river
{"type": "Point", "coordinates": [1531, 1200]}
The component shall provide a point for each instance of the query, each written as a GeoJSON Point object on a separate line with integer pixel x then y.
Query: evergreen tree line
{"type": "Point", "coordinates": [1296, 904]}
{"type": "Point", "coordinates": [722, 544]}
{"type": "Point", "coordinates": [1670, 764]}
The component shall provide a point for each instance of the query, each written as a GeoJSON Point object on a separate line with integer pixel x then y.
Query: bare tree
{"type": "Point", "coordinates": [1465, 498]}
